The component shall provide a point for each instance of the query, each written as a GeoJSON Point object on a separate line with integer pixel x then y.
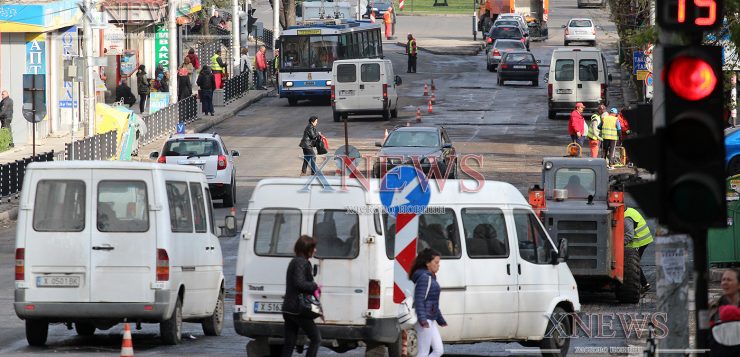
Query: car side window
{"type": "Point", "coordinates": [181, 214]}
{"type": "Point", "coordinates": [337, 233]}
{"type": "Point", "coordinates": [122, 206]}
{"type": "Point", "coordinates": [564, 70]}
{"type": "Point", "coordinates": [199, 209]}
{"type": "Point", "coordinates": [588, 70]}
{"type": "Point", "coordinates": [209, 205]}
{"type": "Point", "coordinates": [277, 231]}
{"type": "Point", "coordinates": [534, 246]}
{"type": "Point", "coordinates": [437, 230]}
{"type": "Point", "coordinates": [59, 206]}
{"type": "Point", "coordinates": [346, 73]}
{"type": "Point", "coordinates": [485, 232]}
{"type": "Point", "coordinates": [370, 72]}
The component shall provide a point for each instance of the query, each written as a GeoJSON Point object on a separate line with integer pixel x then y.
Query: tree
{"type": "Point", "coordinates": [287, 13]}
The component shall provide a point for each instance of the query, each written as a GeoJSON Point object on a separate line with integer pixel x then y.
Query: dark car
{"type": "Point", "coordinates": [377, 6]}
{"type": "Point", "coordinates": [426, 145]}
{"type": "Point", "coordinates": [507, 32]}
{"type": "Point", "coordinates": [518, 66]}
{"type": "Point", "coordinates": [501, 46]}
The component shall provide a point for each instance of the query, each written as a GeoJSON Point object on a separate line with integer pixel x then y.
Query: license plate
{"type": "Point", "coordinates": [520, 67]}
{"type": "Point", "coordinates": [58, 281]}
{"type": "Point", "coordinates": [309, 84]}
{"type": "Point", "coordinates": [564, 91]}
{"type": "Point", "coordinates": [268, 307]}
{"type": "Point", "coordinates": [346, 92]}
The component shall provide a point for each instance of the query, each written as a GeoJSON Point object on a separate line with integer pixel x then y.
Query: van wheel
{"type": "Point", "coordinates": [229, 195]}
{"type": "Point", "coordinates": [499, 81]}
{"type": "Point", "coordinates": [565, 43]}
{"type": "Point", "coordinates": [212, 325]}
{"type": "Point", "coordinates": [554, 338]}
{"type": "Point", "coordinates": [535, 83]}
{"type": "Point", "coordinates": [629, 290]}
{"type": "Point", "coordinates": [85, 329]}
{"type": "Point", "coordinates": [337, 116]}
{"type": "Point", "coordinates": [292, 101]}
{"type": "Point", "coordinates": [171, 329]}
{"type": "Point", "coordinates": [551, 114]}
{"type": "Point", "coordinates": [395, 349]}
{"type": "Point", "coordinates": [36, 332]}
{"type": "Point", "coordinates": [489, 68]}
{"type": "Point", "coordinates": [387, 113]}
{"type": "Point", "coordinates": [394, 112]}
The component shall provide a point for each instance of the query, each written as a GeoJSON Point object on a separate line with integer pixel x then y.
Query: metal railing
{"type": "Point", "coordinates": [165, 120]}
{"type": "Point", "coordinates": [266, 38]}
{"type": "Point", "coordinates": [236, 86]}
{"type": "Point", "coordinates": [96, 147]}
{"type": "Point", "coordinates": [12, 173]}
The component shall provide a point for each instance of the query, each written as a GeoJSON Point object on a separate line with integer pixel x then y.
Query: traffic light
{"type": "Point", "coordinates": [243, 29]}
{"type": "Point", "coordinates": [252, 19]}
{"type": "Point", "coordinates": [690, 15]}
{"type": "Point", "coordinates": [692, 171]}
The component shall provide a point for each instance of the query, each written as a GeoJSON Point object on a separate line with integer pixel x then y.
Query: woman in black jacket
{"type": "Point", "coordinates": [299, 280]}
{"type": "Point", "coordinates": [207, 84]}
{"type": "Point", "coordinates": [308, 141]}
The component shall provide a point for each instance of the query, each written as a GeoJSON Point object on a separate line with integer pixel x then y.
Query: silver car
{"type": "Point", "coordinates": [497, 50]}
{"type": "Point", "coordinates": [591, 3]}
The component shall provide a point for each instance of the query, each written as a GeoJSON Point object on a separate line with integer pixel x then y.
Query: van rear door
{"type": "Point", "coordinates": [341, 253]}
{"type": "Point", "coordinates": [124, 241]}
{"type": "Point", "coordinates": [563, 79]}
{"type": "Point", "coordinates": [590, 77]}
{"type": "Point", "coordinates": [371, 86]}
{"type": "Point", "coordinates": [346, 87]}
{"type": "Point", "coordinates": [57, 236]}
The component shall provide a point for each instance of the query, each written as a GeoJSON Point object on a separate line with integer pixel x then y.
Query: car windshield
{"type": "Point", "coordinates": [519, 58]}
{"type": "Point", "coordinates": [506, 32]}
{"type": "Point", "coordinates": [507, 23]}
{"type": "Point", "coordinates": [309, 52]}
{"type": "Point", "coordinates": [381, 4]}
{"type": "Point", "coordinates": [506, 45]}
{"type": "Point", "coordinates": [412, 139]}
{"type": "Point", "coordinates": [580, 182]}
{"type": "Point", "coordinates": [580, 23]}
{"type": "Point", "coordinates": [191, 147]}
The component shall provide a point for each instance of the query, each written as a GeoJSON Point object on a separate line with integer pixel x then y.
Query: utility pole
{"type": "Point", "coordinates": [172, 46]}
{"type": "Point", "coordinates": [276, 22]}
{"type": "Point", "coordinates": [235, 36]}
{"type": "Point", "coordinates": [89, 97]}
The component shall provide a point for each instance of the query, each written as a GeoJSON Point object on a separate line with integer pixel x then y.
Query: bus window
{"type": "Point", "coordinates": [309, 52]}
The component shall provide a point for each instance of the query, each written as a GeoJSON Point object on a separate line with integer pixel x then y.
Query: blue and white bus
{"type": "Point", "coordinates": [307, 52]}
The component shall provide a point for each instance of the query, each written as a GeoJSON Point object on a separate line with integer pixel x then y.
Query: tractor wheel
{"type": "Point", "coordinates": [629, 290]}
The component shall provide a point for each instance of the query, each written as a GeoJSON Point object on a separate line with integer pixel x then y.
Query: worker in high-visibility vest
{"type": "Point", "coordinates": [388, 21]}
{"type": "Point", "coordinates": [637, 235]}
{"type": "Point", "coordinates": [218, 67]}
{"type": "Point", "coordinates": [609, 132]}
{"type": "Point", "coordinates": [411, 53]}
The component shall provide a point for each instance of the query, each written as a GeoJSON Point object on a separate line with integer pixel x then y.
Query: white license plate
{"type": "Point", "coordinates": [520, 67]}
{"type": "Point", "coordinates": [564, 91]}
{"type": "Point", "coordinates": [346, 92]}
{"type": "Point", "coordinates": [58, 281]}
{"type": "Point", "coordinates": [266, 307]}
{"type": "Point", "coordinates": [309, 84]}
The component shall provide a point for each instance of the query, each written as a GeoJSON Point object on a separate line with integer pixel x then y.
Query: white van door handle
{"type": "Point", "coordinates": [104, 247]}
{"type": "Point", "coordinates": [508, 269]}
{"type": "Point", "coordinates": [580, 85]}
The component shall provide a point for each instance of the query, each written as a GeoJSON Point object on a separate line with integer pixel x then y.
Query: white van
{"type": "Point", "coordinates": [501, 275]}
{"type": "Point", "coordinates": [364, 86]}
{"type": "Point", "coordinates": [103, 241]}
{"type": "Point", "coordinates": [566, 86]}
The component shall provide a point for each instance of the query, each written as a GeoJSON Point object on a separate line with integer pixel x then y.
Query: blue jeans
{"type": "Point", "coordinates": [309, 157]}
{"type": "Point", "coordinates": [206, 99]}
{"type": "Point", "coordinates": [261, 81]}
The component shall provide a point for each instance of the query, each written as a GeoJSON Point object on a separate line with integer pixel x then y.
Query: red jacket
{"type": "Point", "coordinates": [576, 123]}
{"type": "Point", "coordinates": [623, 123]}
{"type": "Point", "coordinates": [261, 61]}
{"type": "Point", "coordinates": [194, 60]}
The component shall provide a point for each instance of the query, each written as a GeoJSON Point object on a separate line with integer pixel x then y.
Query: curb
{"type": "Point", "coordinates": [210, 123]}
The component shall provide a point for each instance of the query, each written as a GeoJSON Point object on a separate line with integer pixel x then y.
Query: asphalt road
{"type": "Point", "coordinates": [507, 126]}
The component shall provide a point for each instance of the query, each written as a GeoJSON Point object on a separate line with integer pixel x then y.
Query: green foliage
{"type": "Point", "coordinates": [6, 138]}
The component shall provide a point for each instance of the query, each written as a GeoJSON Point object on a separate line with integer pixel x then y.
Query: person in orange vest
{"type": "Point", "coordinates": [388, 20]}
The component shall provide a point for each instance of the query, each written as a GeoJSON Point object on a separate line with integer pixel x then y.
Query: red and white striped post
{"type": "Point", "coordinates": [407, 233]}
{"type": "Point", "coordinates": [400, 4]}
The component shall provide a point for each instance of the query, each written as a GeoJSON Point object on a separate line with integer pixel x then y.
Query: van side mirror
{"type": "Point", "coordinates": [609, 77]}
{"type": "Point", "coordinates": [154, 155]}
{"type": "Point", "coordinates": [229, 227]}
{"type": "Point", "coordinates": [563, 250]}
{"type": "Point", "coordinates": [562, 26]}
{"type": "Point", "coordinates": [379, 144]}
{"type": "Point", "coordinates": [398, 80]}
{"type": "Point", "coordinates": [234, 153]}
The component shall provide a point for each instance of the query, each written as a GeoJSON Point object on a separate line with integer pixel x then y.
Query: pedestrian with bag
{"type": "Point", "coordinates": [577, 125]}
{"type": "Point", "coordinates": [143, 87]}
{"type": "Point", "coordinates": [310, 137]}
{"type": "Point", "coordinates": [593, 131]}
{"type": "Point", "coordinates": [207, 84]}
{"type": "Point", "coordinates": [426, 302]}
{"type": "Point", "coordinates": [299, 290]}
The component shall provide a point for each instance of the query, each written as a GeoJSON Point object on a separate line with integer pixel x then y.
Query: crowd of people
{"type": "Point", "coordinates": [604, 130]}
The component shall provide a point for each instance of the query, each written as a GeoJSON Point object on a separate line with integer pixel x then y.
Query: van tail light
{"type": "Point", "coordinates": [221, 162]}
{"type": "Point", "coordinates": [549, 90]}
{"type": "Point", "coordinates": [162, 159]}
{"type": "Point", "coordinates": [238, 297]}
{"type": "Point", "coordinates": [373, 296]}
{"type": "Point", "coordinates": [163, 265]}
{"type": "Point", "coordinates": [333, 96]}
{"type": "Point", "coordinates": [20, 263]}
{"type": "Point", "coordinates": [385, 91]}
{"type": "Point", "coordinates": [504, 66]}
{"type": "Point", "coordinates": [534, 66]}
{"type": "Point", "coordinates": [496, 52]}
{"type": "Point", "coordinates": [603, 92]}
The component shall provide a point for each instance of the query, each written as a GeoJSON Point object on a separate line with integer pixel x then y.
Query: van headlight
{"type": "Point", "coordinates": [288, 84]}
{"type": "Point", "coordinates": [328, 83]}
{"type": "Point", "coordinates": [548, 165]}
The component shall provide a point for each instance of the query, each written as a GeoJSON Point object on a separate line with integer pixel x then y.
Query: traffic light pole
{"type": "Point", "coordinates": [701, 288]}
{"type": "Point", "coordinates": [235, 53]}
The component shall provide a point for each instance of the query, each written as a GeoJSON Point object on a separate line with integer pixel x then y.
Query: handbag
{"type": "Point", "coordinates": [321, 148]}
{"type": "Point", "coordinates": [309, 306]}
{"type": "Point", "coordinates": [407, 313]}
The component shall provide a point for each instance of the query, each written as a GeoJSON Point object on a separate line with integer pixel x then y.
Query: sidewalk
{"type": "Point", "coordinates": [9, 205]}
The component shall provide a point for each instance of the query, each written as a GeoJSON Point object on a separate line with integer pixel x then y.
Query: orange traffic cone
{"type": "Point", "coordinates": [127, 346]}
{"type": "Point", "coordinates": [429, 108]}
{"type": "Point", "coordinates": [418, 115]}
{"type": "Point", "coordinates": [385, 135]}
{"type": "Point", "coordinates": [433, 86]}
{"type": "Point", "coordinates": [434, 97]}
{"type": "Point", "coordinates": [426, 90]}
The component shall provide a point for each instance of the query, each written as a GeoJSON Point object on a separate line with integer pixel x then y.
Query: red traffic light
{"type": "Point", "coordinates": [691, 78]}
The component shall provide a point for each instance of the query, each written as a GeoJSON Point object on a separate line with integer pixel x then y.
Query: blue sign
{"type": "Point", "coordinates": [67, 104]}
{"type": "Point", "coordinates": [638, 62]}
{"type": "Point", "coordinates": [404, 189]}
{"type": "Point", "coordinates": [181, 128]}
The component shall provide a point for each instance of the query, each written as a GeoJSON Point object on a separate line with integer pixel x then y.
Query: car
{"type": "Point", "coordinates": [379, 7]}
{"type": "Point", "coordinates": [507, 32]}
{"type": "Point", "coordinates": [519, 66]}
{"type": "Point", "coordinates": [511, 22]}
{"type": "Point", "coordinates": [404, 145]}
{"type": "Point", "coordinates": [207, 152]}
{"type": "Point", "coordinates": [580, 30]}
{"type": "Point", "coordinates": [500, 46]}
{"type": "Point", "coordinates": [577, 75]}
{"type": "Point", "coordinates": [732, 148]}
{"type": "Point", "coordinates": [517, 17]}
{"type": "Point", "coordinates": [591, 3]}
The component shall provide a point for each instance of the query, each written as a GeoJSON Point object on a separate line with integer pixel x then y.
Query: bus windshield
{"type": "Point", "coordinates": [309, 52]}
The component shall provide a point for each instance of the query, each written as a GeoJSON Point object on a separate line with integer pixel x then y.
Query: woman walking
{"type": "Point", "coordinates": [308, 141]}
{"type": "Point", "coordinates": [426, 300]}
{"type": "Point", "coordinates": [184, 89]}
{"type": "Point", "coordinates": [142, 87]}
{"type": "Point", "coordinates": [206, 83]}
{"type": "Point", "coordinates": [299, 280]}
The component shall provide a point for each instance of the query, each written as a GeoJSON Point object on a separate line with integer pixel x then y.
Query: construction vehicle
{"type": "Point", "coordinates": [535, 13]}
{"type": "Point", "coordinates": [579, 201]}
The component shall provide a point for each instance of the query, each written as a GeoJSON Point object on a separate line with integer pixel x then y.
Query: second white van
{"type": "Point", "coordinates": [576, 75]}
{"type": "Point", "coordinates": [364, 87]}
{"type": "Point", "coordinates": [502, 277]}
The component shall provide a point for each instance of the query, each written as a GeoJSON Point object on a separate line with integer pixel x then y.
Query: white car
{"type": "Point", "coordinates": [207, 152]}
{"type": "Point", "coordinates": [591, 3]}
{"type": "Point", "coordinates": [580, 30]}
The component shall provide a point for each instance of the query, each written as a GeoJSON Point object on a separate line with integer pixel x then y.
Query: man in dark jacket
{"type": "Point", "coordinates": [308, 141]}
{"type": "Point", "coordinates": [6, 113]}
{"type": "Point", "coordinates": [207, 85]}
{"type": "Point", "coordinates": [124, 94]}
